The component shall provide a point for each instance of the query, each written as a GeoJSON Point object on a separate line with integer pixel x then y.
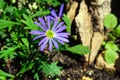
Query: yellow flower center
{"type": "Point", "coordinates": [49, 34]}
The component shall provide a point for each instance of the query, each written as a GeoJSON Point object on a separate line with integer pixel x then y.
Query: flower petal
{"type": "Point", "coordinates": [36, 32]}
{"type": "Point", "coordinates": [41, 21]}
{"type": "Point", "coordinates": [48, 21]}
{"type": "Point", "coordinates": [37, 23]}
{"type": "Point", "coordinates": [53, 13]}
{"type": "Point", "coordinates": [42, 41]}
{"type": "Point", "coordinates": [50, 44]}
{"type": "Point", "coordinates": [60, 29]}
{"type": "Point", "coordinates": [55, 43]}
{"type": "Point", "coordinates": [38, 37]}
{"type": "Point", "coordinates": [62, 39]}
{"type": "Point", "coordinates": [55, 24]}
{"type": "Point", "coordinates": [59, 25]}
{"type": "Point", "coordinates": [63, 34]}
{"type": "Point", "coordinates": [52, 18]}
{"type": "Point", "coordinates": [43, 45]}
{"type": "Point", "coordinates": [61, 10]}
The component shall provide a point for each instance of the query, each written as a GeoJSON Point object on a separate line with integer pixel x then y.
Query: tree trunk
{"type": "Point", "coordinates": [88, 16]}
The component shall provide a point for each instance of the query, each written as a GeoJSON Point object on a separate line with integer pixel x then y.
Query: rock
{"type": "Point", "coordinates": [102, 64]}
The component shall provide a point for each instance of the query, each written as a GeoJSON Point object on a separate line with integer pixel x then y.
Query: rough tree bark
{"type": "Point", "coordinates": [88, 16]}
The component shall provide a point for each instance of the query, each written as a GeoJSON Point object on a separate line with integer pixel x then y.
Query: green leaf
{"type": "Point", "coordinates": [6, 23]}
{"type": "Point", "coordinates": [79, 49]}
{"type": "Point", "coordinates": [110, 56]}
{"type": "Point", "coordinates": [51, 69]}
{"type": "Point", "coordinates": [111, 46]}
{"type": "Point", "coordinates": [13, 1]}
{"type": "Point", "coordinates": [53, 2]}
{"type": "Point", "coordinates": [29, 22]}
{"type": "Point", "coordinates": [110, 21]}
{"type": "Point", "coordinates": [2, 4]}
{"type": "Point", "coordinates": [36, 76]}
{"type": "Point", "coordinates": [3, 78]}
{"type": "Point", "coordinates": [41, 13]}
{"type": "Point", "coordinates": [10, 9]}
{"type": "Point", "coordinates": [116, 32]}
{"type": "Point", "coordinates": [104, 43]}
{"type": "Point", "coordinates": [25, 41]}
{"type": "Point", "coordinates": [14, 36]}
{"type": "Point", "coordinates": [68, 23]}
{"type": "Point", "coordinates": [2, 73]}
{"type": "Point", "coordinates": [7, 53]}
{"type": "Point", "coordinates": [25, 67]}
{"type": "Point", "coordinates": [112, 37]}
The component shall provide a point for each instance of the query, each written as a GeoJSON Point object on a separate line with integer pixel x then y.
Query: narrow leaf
{"type": "Point", "coordinates": [25, 41]}
{"type": "Point", "coordinates": [68, 23]}
{"type": "Point", "coordinates": [29, 22]}
{"type": "Point", "coordinates": [6, 23]}
{"type": "Point", "coordinates": [26, 67]}
{"type": "Point", "coordinates": [6, 53]}
{"type": "Point", "coordinates": [2, 73]}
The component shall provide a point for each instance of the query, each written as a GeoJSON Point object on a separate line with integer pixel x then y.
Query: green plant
{"type": "Point", "coordinates": [19, 55]}
{"type": "Point", "coordinates": [111, 46]}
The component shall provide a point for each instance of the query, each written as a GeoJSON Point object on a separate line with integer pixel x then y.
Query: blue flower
{"type": "Point", "coordinates": [51, 34]}
{"type": "Point", "coordinates": [54, 15]}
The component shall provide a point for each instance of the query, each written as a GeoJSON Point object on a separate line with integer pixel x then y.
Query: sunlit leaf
{"type": "Point", "coordinates": [111, 46]}
{"type": "Point", "coordinates": [79, 49]}
{"type": "Point", "coordinates": [110, 21]}
{"type": "Point", "coordinates": [2, 73]}
{"type": "Point", "coordinates": [25, 41]}
{"type": "Point", "coordinates": [68, 23]}
{"type": "Point", "coordinates": [110, 56]}
{"type": "Point", "coordinates": [3, 78]}
{"type": "Point", "coordinates": [116, 32]}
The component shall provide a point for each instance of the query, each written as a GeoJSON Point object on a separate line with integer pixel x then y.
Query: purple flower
{"type": "Point", "coordinates": [55, 15]}
{"type": "Point", "coordinates": [51, 34]}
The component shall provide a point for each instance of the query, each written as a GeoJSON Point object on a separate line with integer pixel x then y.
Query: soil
{"type": "Point", "coordinates": [73, 69]}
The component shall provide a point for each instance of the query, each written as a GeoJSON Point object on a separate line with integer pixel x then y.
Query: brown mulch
{"type": "Point", "coordinates": [73, 69]}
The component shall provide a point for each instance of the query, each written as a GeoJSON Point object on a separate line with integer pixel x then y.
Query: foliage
{"type": "Point", "coordinates": [7, 23]}
{"type": "Point", "coordinates": [19, 55]}
{"type": "Point", "coordinates": [111, 46]}
{"type": "Point", "coordinates": [110, 21]}
{"type": "Point", "coordinates": [2, 73]}
{"type": "Point", "coordinates": [2, 4]}
{"type": "Point", "coordinates": [8, 54]}
{"type": "Point", "coordinates": [51, 69]}
{"type": "Point", "coordinates": [68, 23]}
{"type": "Point", "coordinates": [116, 31]}
{"type": "Point", "coordinates": [78, 49]}
{"type": "Point", "coordinates": [111, 52]}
